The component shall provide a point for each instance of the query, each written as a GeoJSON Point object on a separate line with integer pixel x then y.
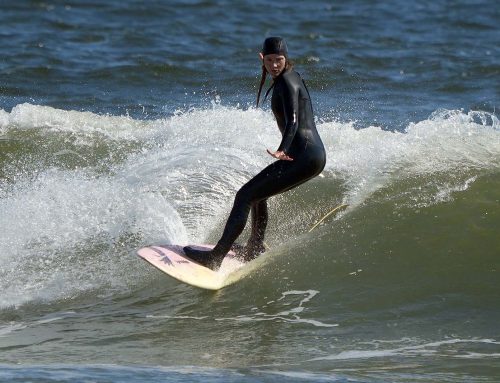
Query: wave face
{"type": "Point", "coordinates": [406, 276]}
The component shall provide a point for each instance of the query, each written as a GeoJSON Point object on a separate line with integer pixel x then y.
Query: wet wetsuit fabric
{"type": "Point", "coordinates": [292, 108]}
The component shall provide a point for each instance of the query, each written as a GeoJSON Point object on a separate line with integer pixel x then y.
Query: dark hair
{"type": "Point", "coordinates": [288, 66]}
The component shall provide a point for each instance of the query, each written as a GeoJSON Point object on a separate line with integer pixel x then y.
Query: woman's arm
{"type": "Point", "coordinates": [290, 99]}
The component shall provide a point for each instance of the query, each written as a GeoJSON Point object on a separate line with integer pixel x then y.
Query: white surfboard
{"type": "Point", "coordinates": [171, 260]}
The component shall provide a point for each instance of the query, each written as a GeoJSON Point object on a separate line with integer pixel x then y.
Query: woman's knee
{"type": "Point", "coordinates": [242, 197]}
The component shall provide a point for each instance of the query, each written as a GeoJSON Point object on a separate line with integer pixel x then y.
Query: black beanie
{"type": "Point", "coordinates": [274, 45]}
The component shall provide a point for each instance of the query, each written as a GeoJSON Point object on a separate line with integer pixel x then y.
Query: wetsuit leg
{"type": "Point", "coordinates": [259, 222]}
{"type": "Point", "coordinates": [255, 244]}
{"type": "Point", "coordinates": [278, 177]}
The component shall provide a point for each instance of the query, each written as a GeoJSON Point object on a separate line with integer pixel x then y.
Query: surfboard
{"type": "Point", "coordinates": [172, 261]}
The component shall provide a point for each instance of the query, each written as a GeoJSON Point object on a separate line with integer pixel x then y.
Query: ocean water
{"type": "Point", "coordinates": [126, 123]}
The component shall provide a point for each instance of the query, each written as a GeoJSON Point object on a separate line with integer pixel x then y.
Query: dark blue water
{"type": "Point", "coordinates": [126, 123]}
{"type": "Point", "coordinates": [390, 62]}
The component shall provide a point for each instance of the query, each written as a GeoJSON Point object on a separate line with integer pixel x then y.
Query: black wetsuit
{"type": "Point", "coordinates": [292, 108]}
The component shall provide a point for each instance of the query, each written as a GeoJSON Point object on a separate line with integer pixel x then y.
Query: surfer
{"type": "Point", "coordinates": [301, 156]}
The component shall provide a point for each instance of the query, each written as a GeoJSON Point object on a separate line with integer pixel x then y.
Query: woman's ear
{"type": "Point", "coordinates": [261, 56]}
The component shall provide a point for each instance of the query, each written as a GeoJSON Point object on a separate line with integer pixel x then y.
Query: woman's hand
{"type": "Point", "coordinates": [280, 155]}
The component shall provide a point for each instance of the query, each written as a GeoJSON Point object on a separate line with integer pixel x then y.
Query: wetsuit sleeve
{"type": "Point", "coordinates": [290, 99]}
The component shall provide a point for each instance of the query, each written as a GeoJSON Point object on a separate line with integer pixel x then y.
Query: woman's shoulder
{"type": "Point", "coordinates": [291, 77]}
{"type": "Point", "coordinates": [290, 74]}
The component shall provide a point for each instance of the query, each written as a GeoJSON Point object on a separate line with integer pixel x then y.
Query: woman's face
{"type": "Point", "coordinates": [274, 64]}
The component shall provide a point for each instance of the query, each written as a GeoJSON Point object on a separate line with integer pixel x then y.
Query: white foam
{"type": "Point", "coordinates": [291, 315]}
{"type": "Point", "coordinates": [447, 142]}
{"type": "Point", "coordinates": [11, 327]}
{"type": "Point", "coordinates": [27, 116]}
{"type": "Point", "coordinates": [180, 183]}
{"type": "Point", "coordinates": [434, 349]}
{"type": "Point", "coordinates": [61, 230]}
{"type": "Point", "coordinates": [446, 193]}
{"type": "Point", "coordinates": [60, 234]}
{"type": "Point", "coordinates": [4, 121]}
